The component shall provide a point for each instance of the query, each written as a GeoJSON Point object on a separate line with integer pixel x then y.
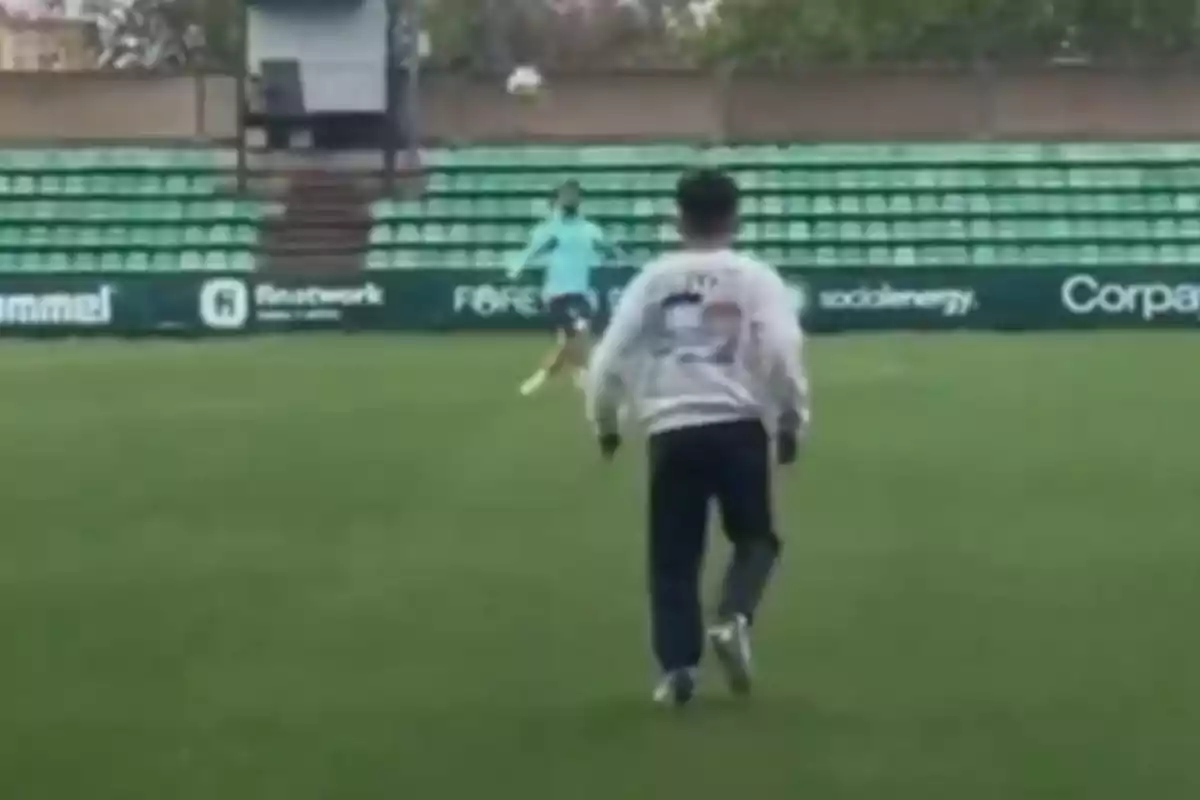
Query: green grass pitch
{"type": "Point", "coordinates": [347, 568]}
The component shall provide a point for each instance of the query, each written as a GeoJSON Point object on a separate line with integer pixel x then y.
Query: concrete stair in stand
{"type": "Point", "coordinates": [324, 228]}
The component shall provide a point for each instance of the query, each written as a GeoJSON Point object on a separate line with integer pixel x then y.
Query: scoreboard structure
{"type": "Point", "coordinates": [329, 73]}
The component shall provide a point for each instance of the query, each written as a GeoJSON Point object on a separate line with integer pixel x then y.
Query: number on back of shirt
{"type": "Point", "coordinates": [693, 330]}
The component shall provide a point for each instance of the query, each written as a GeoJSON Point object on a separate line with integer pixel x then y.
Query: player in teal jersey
{"type": "Point", "coordinates": [570, 245]}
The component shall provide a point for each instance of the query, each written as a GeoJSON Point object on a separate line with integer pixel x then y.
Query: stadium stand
{"type": "Point", "coordinates": [978, 205]}
{"type": "Point", "coordinates": [120, 210]}
{"type": "Point", "coordinates": [933, 205]}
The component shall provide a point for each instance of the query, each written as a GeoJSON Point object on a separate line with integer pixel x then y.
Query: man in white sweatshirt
{"type": "Point", "coordinates": [706, 346]}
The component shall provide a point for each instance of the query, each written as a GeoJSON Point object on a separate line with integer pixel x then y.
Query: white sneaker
{"type": "Point", "coordinates": [535, 382]}
{"type": "Point", "coordinates": [731, 642]}
{"type": "Point", "coordinates": [676, 688]}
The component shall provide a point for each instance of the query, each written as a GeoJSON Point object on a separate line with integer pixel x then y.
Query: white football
{"type": "Point", "coordinates": [525, 81]}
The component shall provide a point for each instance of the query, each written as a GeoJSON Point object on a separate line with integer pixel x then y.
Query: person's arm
{"type": "Point", "coordinates": [606, 247]}
{"type": "Point", "coordinates": [541, 242]}
{"type": "Point", "coordinates": [783, 346]}
{"type": "Point", "coordinates": [605, 379]}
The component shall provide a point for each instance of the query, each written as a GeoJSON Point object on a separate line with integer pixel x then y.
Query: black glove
{"type": "Point", "coordinates": [609, 444]}
{"type": "Point", "coordinates": [786, 448]}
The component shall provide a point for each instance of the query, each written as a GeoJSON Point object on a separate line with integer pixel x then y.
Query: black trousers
{"type": "Point", "coordinates": [727, 462]}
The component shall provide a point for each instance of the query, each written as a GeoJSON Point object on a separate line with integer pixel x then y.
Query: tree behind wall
{"type": "Point", "coordinates": [778, 33]}
{"type": "Point", "coordinates": [169, 33]}
{"type": "Point", "coordinates": [500, 34]}
{"type": "Point", "coordinates": [788, 32]}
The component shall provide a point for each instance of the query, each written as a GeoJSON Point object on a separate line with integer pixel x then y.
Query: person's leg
{"type": "Point", "coordinates": [579, 345]}
{"type": "Point", "coordinates": [744, 495]}
{"type": "Point", "coordinates": [579, 349]}
{"type": "Point", "coordinates": [560, 356]}
{"type": "Point", "coordinates": [550, 366]}
{"type": "Point", "coordinates": [678, 516]}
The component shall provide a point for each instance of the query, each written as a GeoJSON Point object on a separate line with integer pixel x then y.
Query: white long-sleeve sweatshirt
{"type": "Point", "coordinates": [700, 337]}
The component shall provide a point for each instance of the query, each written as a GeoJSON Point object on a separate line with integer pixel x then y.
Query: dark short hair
{"type": "Point", "coordinates": [708, 200]}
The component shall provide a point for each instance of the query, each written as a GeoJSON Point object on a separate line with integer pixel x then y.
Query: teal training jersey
{"type": "Point", "coordinates": [570, 248]}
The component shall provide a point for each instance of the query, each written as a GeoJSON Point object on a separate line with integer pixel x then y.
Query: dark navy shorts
{"type": "Point", "coordinates": [570, 313]}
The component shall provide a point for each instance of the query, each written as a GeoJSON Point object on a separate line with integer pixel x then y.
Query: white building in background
{"type": "Point", "coordinates": [74, 9]}
{"type": "Point", "coordinates": [44, 42]}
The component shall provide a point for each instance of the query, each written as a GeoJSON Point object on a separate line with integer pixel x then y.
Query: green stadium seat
{"type": "Point", "coordinates": [171, 185]}
{"type": "Point", "coordinates": [245, 235]}
{"type": "Point", "coordinates": [137, 261]}
{"type": "Point", "coordinates": [164, 261]}
{"type": "Point", "coordinates": [382, 236]}
{"type": "Point", "coordinates": [57, 261]}
{"type": "Point", "coordinates": [170, 210]}
{"type": "Point", "coordinates": [195, 235]}
{"type": "Point", "coordinates": [379, 258]}
{"type": "Point", "coordinates": [969, 204]}
{"type": "Point", "coordinates": [111, 261]}
{"type": "Point", "coordinates": [408, 235]}
{"type": "Point", "coordinates": [405, 259]}
{"type": "Point", "coordinates": [191, 261]}
{"type": "Point", "coordinates": [216, 261]}
{"type": "Point", "coordinates": [247, 211]}
{"type": "Point", "coordinates": [84, 261]}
